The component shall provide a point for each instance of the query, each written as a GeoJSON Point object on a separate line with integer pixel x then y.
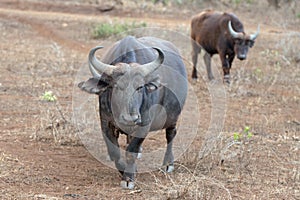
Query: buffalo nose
{"type": "Point", "coordinates": [242, 57]}
{"type": "Point", "coordinates": [135, 117]}
{"type": "Point", "coordinates": [132, 118]}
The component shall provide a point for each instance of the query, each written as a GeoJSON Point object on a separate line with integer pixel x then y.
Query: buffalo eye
{"type": "Point", "coordinates": [250, 43]}
{"type": "Point", "coordinates": [151, 87]}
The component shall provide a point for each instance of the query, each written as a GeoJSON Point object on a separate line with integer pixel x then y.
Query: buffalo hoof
{"type": "Point", "coordinates": [213, 82]}
{"type": "Point", "coordinates": [211, 78]}
{"type": "Point", "coordinates": [127, 185]}
{"type": "Point", "coordinates": [139, 156]}
{"type": "Point", "coordinates": [170, 168]}
{"type": "Point", "coordinates": [194, 76]}
{"type": "Point", "coordinates": [227, 79]}
{"type": "Point", "coordinates": [195, 81]}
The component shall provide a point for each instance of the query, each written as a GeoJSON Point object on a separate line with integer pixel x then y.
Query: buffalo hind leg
{"type": "Point", "coordinates": [207, 61]}
{"type": "Point", "coordinates": [169, 157]}
{"type": "Point", "coordinates": [195, 51]}
{"type": "Point", "coordinates": [132, 151]}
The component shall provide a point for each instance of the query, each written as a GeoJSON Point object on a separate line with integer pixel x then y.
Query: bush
{"type": "Point", "coordinates": [106, 30]}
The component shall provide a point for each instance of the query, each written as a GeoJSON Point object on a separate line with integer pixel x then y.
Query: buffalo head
{"type": "Point", "coordinates": [129, 85]}
{"type": "Point", "coordinates": [242, 41]}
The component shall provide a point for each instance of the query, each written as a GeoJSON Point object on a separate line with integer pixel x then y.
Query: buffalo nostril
{"type": "Point", "coordinates": [138, 122]}
{"type": "Point", "coordinates": [242, 57]}
{"type": "Point", "coordinates": [136, 118]}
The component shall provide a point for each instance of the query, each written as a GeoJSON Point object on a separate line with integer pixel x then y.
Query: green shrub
{"type": "Point", "coordinates": [48, 96]}
{"type": "Point", "coordinates": [105, 30]}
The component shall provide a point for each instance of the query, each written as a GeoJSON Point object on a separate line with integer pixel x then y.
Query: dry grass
{"type": "Point", "coordinates": [56, 125]}
{"type": "Point", "coordinates": [254, 168]}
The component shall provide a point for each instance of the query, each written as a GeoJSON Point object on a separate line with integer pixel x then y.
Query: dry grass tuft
{"type": "Point", "coordinates": [56, 125]}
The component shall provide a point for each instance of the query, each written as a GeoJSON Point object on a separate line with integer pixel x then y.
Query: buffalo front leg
{"type": "Point", "coordinates": [195, 51]}
{"type": "Point", "coordinates": [207, 61]}
{"type": "Point", "coordinates": [227, 75]}
{"type": "Point", "coordinates": [169, 157]}
{"type": "Point", "coordinates": [132, 151]}
{"type": "Point", "coordinates": [226, 65]}
{"type": "Point", "coordinates": [111, 140]}
{"type": "Point", "coordinates": [226, 72]}
{"type": "Point", "coordinates": [129, 138]}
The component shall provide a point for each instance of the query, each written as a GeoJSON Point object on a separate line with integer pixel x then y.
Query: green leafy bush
{"type": "Point", "coordinates": [105, 30]}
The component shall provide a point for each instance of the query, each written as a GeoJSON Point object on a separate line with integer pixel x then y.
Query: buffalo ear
{"type": "Point", "coordinates": [93, 86]}
{"type": "Point", "coordinates": [251, 43]}
{"type": "Point", "coordinates": [154, 84]}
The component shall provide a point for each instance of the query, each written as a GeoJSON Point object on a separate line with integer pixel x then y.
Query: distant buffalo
{"type": "Point", "coordinates": [219, 33]}
{"type": "Point", "coordinates": [142, 87]}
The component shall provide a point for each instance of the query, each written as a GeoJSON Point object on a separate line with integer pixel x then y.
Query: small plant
{"type": "Point", "coordinates": [237, 2]}
{"type": "Point", "coordinates": [164, 2]}
{"type": "Point", "coordinates": [48, 96]}
{"type": "Point", "coordinates": [257, 71]}
{"type": "Point", "coordinates": [258, 74]}
{"type": "Point", "coordinates": [237, 136]}
{"type": "Point", "coordinates": [106, 30]}
{"type": "Point", "coordinates": [246, 133]}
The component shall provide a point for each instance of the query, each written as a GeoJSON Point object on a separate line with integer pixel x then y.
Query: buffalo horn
{"type": "Point", "coordinates": [150, 67]}
{"type": "Point", "coordinates": [254, 36]}
{"type": "Point", "coordinates": [96, 66]}
{"type": "Point", "coordinates": [233, 32]}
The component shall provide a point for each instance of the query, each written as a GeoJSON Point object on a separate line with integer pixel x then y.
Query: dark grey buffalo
{"type": "Point", "coordinates": [219, 33]}
{"type": "Point", "coordinates": [142, 87]}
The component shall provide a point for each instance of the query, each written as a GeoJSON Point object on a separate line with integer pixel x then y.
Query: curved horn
{"type": "Point", "coordinates": [152, 66]}
{"type": "Point", "coordinates": [254, 36]}
{"type": "Point", "coordinates": [233, 32]}
{"type": "Point", "coordinates": [96, 66]}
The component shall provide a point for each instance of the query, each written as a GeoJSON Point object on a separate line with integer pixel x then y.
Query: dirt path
{"type": "Point", "coordinates": [36, 19]}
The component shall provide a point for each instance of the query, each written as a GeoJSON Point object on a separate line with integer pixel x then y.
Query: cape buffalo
{"type": "Point", "coordinates": [142, 87]}
{"type": "Point", "coordinates": [219, 33]}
